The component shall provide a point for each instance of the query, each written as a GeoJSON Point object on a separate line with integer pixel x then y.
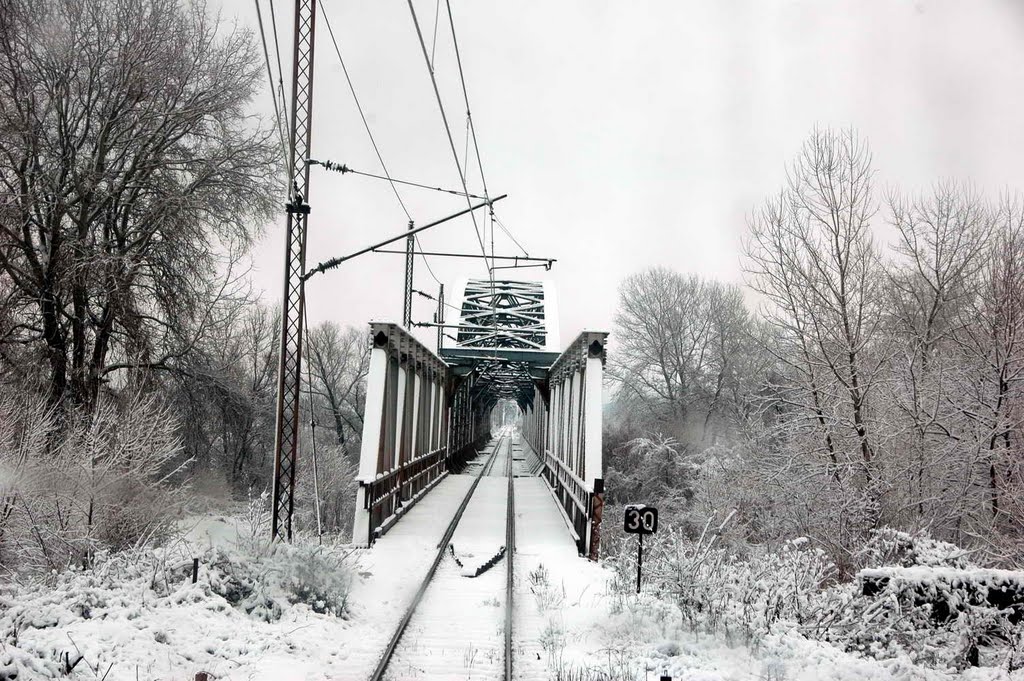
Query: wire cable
{"type": "Point", "coordinates": [425, 261]}
{"type": "Point", "coordinates": [343, 168]}
{"type": "Point", "coordinates": [465, 96]}
{"type": "Point", "coordinates": [280, 83]}
{"type": "Point", "coordinates": [433, 43]}
{"type": "Point", "coordinates": [447, 127]}
{"type": "Point", "coordinates": [362, 115]}
{"type": "Point", "coordinates": [376, 148]}
{"type": "Point", "coordinates": [509, 234]}
{"type": "Point", "coordinates": [270, 78]}
{"type": "Point", "coordinates": [312, 419]}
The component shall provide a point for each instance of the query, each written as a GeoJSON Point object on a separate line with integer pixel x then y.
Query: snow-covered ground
{"type": "Point", "coordinates": [140, 617]}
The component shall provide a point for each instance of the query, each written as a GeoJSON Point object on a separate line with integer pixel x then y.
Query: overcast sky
{"type": "Point", "coordinates": [629, 134]}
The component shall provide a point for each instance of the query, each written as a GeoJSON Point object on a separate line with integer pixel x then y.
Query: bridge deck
{"type": "Point", "coordinates": [394, 567]}
{"type": "Point", "coordinates": [545, 551]}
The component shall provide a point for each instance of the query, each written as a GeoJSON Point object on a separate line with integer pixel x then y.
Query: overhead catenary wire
{"type": "Point", "coordinates": [312, 425]}
{"type": "Point", "coordinates": [444, 119]}
{"type": "Point", "coordinates": [270, 78]}
{"type": "Point", "coordinates": [419, 250]}
{"type": "Point", "coordinates": [471, 131]}
{"type": "Point", "coordinates": [359, 108]}
{"type": "Point", "coordinates": [465, 97]}
{"type": "Point", "coordinates": [373, 141]}
{"type": "Point", "coordinates": [509, 233]}
{"type": "Point", "coordinates": [280, 80]}
{"type": "Point", "coordinates": [433, 43]}
{"type": "Point", "coordinates": [470, 126]}
{"type": "Point", "coordinates": [345, 168]}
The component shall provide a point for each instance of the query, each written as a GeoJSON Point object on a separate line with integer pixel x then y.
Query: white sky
{"type": "Point", "coordinates": [631, 134]}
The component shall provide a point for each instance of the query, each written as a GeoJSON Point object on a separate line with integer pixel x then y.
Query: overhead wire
{"type": "Point", "coordinates": [433, 43]}
{"type": "Point", "coordinates": [380, 158]}
{"type": "Point", "coordinates": [471, 128]}
{"type": "Point", "coordinates": [345, 168]}
{"type": "Point", "coordinates": [312, 423]}
{"type": "Point", "coordinates": [465, 96]}
{"type": "Point", "coordinates": [509, 233]}
{"type": "Point", "coordinates": [359, 108]}
{"type": "Point", "coordinates": [447, 127]}
{"type": "Point", "coordinates": [280, 83]}
{"type": "Point", "coordinates": [270, 78]}
{"type": "Point", "coordinates": [476, 147]}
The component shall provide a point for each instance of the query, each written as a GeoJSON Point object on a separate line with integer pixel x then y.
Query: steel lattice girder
{"type": "Point", "coordinates": [507, 338]}
{"type": "Point", "coordinates": [286, 428]}
{"type": "Point", "coordinates": [507, 314]}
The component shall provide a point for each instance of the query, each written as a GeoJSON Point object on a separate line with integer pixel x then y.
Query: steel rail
{"type": "Point", "coordinates": [442, 547]}
{"type": "Point", "coordinates": [510, 546]}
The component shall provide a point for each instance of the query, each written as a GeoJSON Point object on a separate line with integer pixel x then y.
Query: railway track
{"type": "Point", "coordinates": [456, 625]}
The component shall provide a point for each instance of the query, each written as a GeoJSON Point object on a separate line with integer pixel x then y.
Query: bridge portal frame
{"type": "Point", "coordinates": [424, 416]}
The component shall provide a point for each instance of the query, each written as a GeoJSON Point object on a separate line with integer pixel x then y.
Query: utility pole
{"type": "Point", "coordinates": [410, 248]}
{"type": "Point", "coordinates": [439, 318]}
{"type": "Point", "coordinates": [286, 433]}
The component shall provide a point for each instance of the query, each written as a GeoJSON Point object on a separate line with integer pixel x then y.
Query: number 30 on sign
{"type": "Point", "coordinates": [640, 519]}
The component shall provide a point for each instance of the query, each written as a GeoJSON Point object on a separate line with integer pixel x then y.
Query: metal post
{"type": "Point", "coordinates": [410, 250]}
{"type": "Point", "coordinates": [439, 318]}
{"type": "Point", "coordinates": [639, 559]}
{"type": "Point", "coordinates": [286, 433]}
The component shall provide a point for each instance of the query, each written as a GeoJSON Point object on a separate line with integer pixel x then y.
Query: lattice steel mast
{"type": "Point", "coordinates": [286, 434]}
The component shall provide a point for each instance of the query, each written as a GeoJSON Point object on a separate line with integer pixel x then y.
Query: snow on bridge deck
{"type": "Point", "coordinates": [393, 568]}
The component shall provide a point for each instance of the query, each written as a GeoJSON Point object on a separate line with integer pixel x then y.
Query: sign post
{"type": "Point", "coordinates": [640, 519]}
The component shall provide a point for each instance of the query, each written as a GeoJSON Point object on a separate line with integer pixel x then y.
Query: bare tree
{"type": "Point", "coordinates": [992, 339]}
{"type": "Point", "coordinates": [339, 362]}
{"type": "Point", "coordinates": [224, 397]}
{"type": "Point", "coordinates": [680, 339]}
{"type": "Point", "coordinates": [944, 244]}
{"type": "Point", "coordinates": [134, 169]}
{"type": "Point", "coordinates": [811, 254]}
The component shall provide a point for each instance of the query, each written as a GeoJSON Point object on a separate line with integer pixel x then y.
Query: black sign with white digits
{"type": "Point", "coordinates": [640, 519]}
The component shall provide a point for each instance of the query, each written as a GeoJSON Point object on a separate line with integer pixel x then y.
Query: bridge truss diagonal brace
{"type": "Point", "coordinates": [564, 428]}
{"type": "Point", "coordinates": [405, 440]}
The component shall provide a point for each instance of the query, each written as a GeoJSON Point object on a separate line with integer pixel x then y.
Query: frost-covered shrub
{"type": "Point", "coordinates": [262, 579]}
{"type": "Point", "coordinates": [76, 485]}
{"type": "Point", "coordinates": [927, 602]}
{"type": "Point", "coordinates": [888, 546]}
{"type": "Point", "coordinates": [718, 591]}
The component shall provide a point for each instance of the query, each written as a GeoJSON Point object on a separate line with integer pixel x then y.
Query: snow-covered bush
{"type": "Point", "coordinates": [888, 546]}
{"type": "Point", "coordinates": [927, 602]}
{"type": "Point", "coordinates": [74, 483]}
{"type": "Point", "coordinates": [718, 591]}
{"type": "Point", "coordinates": [262, 579]}
{"type": "Point", "coordinates": [931, 606]}
{"type": "Point", "coordinates": [654, 467]}
{"type": "Point", "coordinates": [118, 591]}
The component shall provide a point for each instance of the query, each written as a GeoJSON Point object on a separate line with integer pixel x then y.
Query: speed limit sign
{"type": "Point", "coordinates": [640, 519]}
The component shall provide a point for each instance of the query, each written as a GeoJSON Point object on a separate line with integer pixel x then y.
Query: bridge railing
{"type": "Point", "coordinates": [470, 425]}
{"type": "Point", "coordinates": [565, 428]}
{"type": "Point", "coordinates": [405, 440]}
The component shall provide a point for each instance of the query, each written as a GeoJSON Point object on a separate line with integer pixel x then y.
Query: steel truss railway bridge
{"type": "Point", "coordinates": [429, 412]}
{"type": "Point", "coordinates": [429, 465]}
{"type": "Point", "coordinates": [533, 483]}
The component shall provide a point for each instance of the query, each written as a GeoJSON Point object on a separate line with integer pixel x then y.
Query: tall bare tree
{"type": "Point", "coordinates": [944, 245]}
{"type": "Point", "coordinates": [132, 169]}
{"type": "Point", "coordinates": [339, 362]}
{"type": "Point", "coordinates": [680, 340]}
{"type": "Point", "coordinates": [812, 256]}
